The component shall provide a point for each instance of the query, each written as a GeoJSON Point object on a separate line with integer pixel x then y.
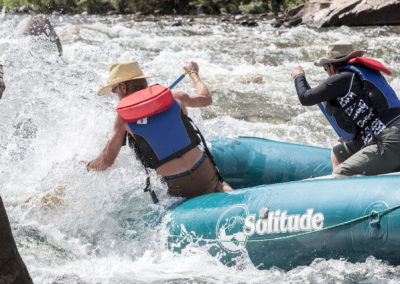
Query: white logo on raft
{"type": "Point", "coordinates": [235, 225]}
{"type": "Point", "coordinates": [229, 229]}
{"type": "Point", "coordinates": [278, 222]}
{"type": "Point", "coordinates": [142, 121]}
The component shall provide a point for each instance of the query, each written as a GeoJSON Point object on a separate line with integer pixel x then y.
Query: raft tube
{"type": "Point", "coordinates": [289, 223]}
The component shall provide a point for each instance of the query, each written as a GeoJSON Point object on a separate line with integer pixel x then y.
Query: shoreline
{"type": "Point", "coordinates": [247, 20]}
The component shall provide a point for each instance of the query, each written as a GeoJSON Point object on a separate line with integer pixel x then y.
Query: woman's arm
{"type": "Point", "coordinates": [110, 152]}
{"type": "Point", "coordinates": [202, 97]}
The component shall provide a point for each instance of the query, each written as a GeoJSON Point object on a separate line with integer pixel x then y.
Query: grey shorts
{"type": "Point", "coordinates": [355, 160]}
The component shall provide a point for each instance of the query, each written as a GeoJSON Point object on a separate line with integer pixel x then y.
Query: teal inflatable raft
{"type": "Point", "coordinates": [280, 219]}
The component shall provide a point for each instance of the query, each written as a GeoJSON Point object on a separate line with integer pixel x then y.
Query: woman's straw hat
{"type": "Point", "coordinates": [339, 52]}
{"type": "Point", "coordinates": [121, 72]}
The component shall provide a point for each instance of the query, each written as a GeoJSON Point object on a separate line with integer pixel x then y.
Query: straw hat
{"type": "Point", "coordinates": [339, 52]}
{"type": "Point", "coordinates": [121, 72]}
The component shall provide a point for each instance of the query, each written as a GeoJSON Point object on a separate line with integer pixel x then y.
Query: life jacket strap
{"type": "Point", "coordinates": [203, 141]}
{"type": "Point", "coordinates": [149, 189]}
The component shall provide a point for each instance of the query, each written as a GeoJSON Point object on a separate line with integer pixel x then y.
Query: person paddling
{"type": "Point", "coordinates": [167, 142]}
{"type": "Point", "coordinates": [362, 108]}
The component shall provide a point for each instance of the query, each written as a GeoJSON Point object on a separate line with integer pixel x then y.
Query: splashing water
{"type": "Point", "coordinates": [74, 226]}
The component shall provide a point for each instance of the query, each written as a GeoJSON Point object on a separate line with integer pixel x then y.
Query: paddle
{"type": "Point", "coordinates": [177, 80]}
{"type": "Point", "coordinates": [328, 118]}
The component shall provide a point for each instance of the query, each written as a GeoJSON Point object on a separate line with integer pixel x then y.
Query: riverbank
{"type": "Point", "coordinates": [250, 13]}
{"type": "Point", "coordinates": [156, 7]}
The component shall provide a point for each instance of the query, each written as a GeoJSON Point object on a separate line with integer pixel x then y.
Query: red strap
{"type": "Point", "coordinates": [371, 63]}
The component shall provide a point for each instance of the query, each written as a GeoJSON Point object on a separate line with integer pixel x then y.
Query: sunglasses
{"type": "Point", "coordinates": [326, 67]}
{"type": "Point", "coordinates": [115, 89]}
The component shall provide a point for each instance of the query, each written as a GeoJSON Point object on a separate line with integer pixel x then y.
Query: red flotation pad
{"type": "Point", "coordinates": [371, 63]}
{"type": "Point", "coordinates": [145, 103]}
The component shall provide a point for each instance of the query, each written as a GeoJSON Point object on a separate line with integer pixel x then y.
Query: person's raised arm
{"type": "Point", "coordinates": [202, 97]}
{"type": "Point", "coordinates": [110, 152]}
{"type": "Point", "coordinates": [336, 85]}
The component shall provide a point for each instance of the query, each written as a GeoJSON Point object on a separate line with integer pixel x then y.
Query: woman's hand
{"type": "Point", "coordinates": [191, 67]}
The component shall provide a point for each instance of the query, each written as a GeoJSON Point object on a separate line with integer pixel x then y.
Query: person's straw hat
{"type": "Point", "coordinates": [339, 52]}
{"type": "Point", "coordinates": [121, 72]}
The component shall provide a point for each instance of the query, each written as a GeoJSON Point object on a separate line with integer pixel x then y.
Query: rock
{"type": "Point", "coordinates": [2, 85]}
{"type": "Point", "coordinates": [23, 9]}
{"type": "Point", "coordinates": [240, 17]}
{"type": "Point", "coordinates": [250, 79]}
{"type": "Point", "coordinates": [12, 268]}
{"type": "Point", "coordinates": [177, 24]}
{"type": "Point", "coordinates": [36, 26]}
{"type": "Point", "coordinates": [326, 13]}
{"type": "Point", "coordinates": [249, 23]}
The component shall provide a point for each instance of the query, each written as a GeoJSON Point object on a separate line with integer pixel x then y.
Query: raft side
{"type": "Point", "coordinates": [349, 229]}
{"type": "Point", "coordinates": [250, 161]}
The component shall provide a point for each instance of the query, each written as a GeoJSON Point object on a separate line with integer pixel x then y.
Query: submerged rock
{"type": "Point", "coordinates": [177, 24]}
{"type": "Point", "coordinates": [12, 268]}
{"type": "Point", "coordinates": [249, 23]}
{"type": "Point", "coordinates": [325, 13]}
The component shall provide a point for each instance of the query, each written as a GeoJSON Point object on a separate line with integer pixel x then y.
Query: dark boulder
{"type": "Point", "coordinates": [12, 268]}
{"type": "Point", "coordinates": [249, 23]}
{"type": "Point", "coordinates": [2, 85]}
{"type": "Point", "coordinates": [23, 9]}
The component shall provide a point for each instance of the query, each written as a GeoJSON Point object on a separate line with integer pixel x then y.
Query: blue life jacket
{"type": "Point", "coordinates": [164, 136]}
{"type": "Point", "coordinates": [367, 113]}
{"type": "Point", "coordinates": [340, 131]}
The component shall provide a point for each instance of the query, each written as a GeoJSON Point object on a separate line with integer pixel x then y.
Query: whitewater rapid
{"type": "Point", "coordinates": [74, 226]}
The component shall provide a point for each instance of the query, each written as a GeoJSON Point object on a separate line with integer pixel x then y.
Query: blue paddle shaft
{"type": "Point", "coordinates": [322, 108]}
{"type": "Point", "coordinates": [177, 81]}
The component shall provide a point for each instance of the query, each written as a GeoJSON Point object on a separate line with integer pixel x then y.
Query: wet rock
{"type": "Point", "coordinates": [2, 85]}
{"type": "Point", "coordinates": [249, 23]}
{"type": "Point", "coordinates": [23, 9]}
{"type": "Point", "coordinates": [251, 79]}
{"type": "Point", "coordinates": [240, 17]}
{"type": "Point", "coordinates": [12, 268]}
{"type": "Point", "coordinates": [325, 13]}
{"type": "Point", "coordinates": [177, 24]}
{"type": "Point", "coordinates": [36, 26]}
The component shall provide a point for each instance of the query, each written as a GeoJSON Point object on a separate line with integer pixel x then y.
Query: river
{"type": "Point", "coordinates": [74, 226]}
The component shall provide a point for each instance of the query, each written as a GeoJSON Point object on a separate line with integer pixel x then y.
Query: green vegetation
{"type": "Point", "coordinates": [155, 6]}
